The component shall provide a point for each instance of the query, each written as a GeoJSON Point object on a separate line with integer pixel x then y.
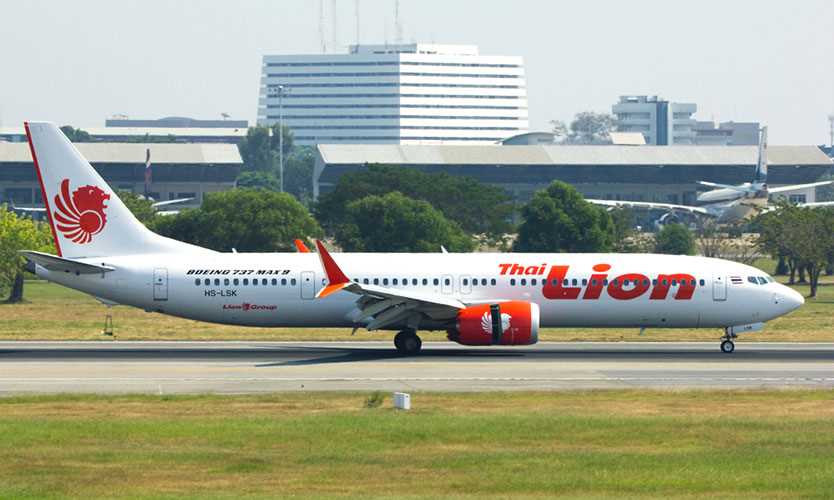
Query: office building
{"type": "Point", "coordinates": [661, 122]}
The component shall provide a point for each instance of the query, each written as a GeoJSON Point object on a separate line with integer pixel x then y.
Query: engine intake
{"type": "Point", "coordinates": [505, 323]}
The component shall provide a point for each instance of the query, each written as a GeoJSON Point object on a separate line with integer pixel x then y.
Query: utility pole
{"type": "Point", "coordinates": [831, 130]}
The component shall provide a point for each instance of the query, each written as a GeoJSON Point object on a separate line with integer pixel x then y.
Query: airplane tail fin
{"type": "Point", "coordinates": [760, 175]}
{"type": "Point", "coordinates": [86, 216]}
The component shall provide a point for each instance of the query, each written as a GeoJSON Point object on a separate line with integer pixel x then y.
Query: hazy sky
{"type": "Point", "coordinates": [81, 61]}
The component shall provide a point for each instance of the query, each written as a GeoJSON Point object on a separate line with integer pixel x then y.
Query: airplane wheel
{"type": "Point", "coordinates": [728, 346]}
{"type": "Point", "coordinates": [408, 343]}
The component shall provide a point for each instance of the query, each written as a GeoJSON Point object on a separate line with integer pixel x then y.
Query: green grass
{"type": "Point", "coordinates": [604, 444]}
{"type": "Point", "coordinates": [53, 312]}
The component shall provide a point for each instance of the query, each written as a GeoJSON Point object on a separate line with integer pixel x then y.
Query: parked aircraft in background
{"type": "Point", "coordinates": [478, 299]}
{"type": "Point", "coordinates": [729, 203]}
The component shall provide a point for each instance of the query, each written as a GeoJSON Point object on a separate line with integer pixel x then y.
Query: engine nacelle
{"type": "Point", "coordinates": [505, 323]}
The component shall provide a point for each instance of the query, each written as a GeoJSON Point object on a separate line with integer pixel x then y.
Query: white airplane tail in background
{"type": "Point", "coordinates": [86, 216]}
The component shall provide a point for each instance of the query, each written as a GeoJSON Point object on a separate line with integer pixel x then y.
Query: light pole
{"type": "Point", "coordinates": [281, 90]}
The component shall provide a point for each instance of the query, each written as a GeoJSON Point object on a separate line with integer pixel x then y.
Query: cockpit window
{"type": "Point", "coordinates": [762, 280]}
{"type": "Point", "coordinates": [752, 279]}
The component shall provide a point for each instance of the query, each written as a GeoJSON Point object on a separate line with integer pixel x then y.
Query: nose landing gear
{"type": "Point", "coordinates": [728, 346]}
{"type": "Point", "coordinates": [408, 343]}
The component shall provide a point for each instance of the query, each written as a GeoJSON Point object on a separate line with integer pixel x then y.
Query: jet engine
{"type": "Point", "coordinates": [504, 323]}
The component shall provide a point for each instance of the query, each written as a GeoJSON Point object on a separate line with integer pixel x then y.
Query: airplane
{"type": "Point", "coordinates": [39, 213]}
{"type": "Point", "coordinates": [729, 203]}
{"type": "Point", "coordinates": [479, 299]}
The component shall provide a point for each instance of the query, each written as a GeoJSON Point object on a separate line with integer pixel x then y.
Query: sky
{"type": "Point", "coordinates": [83, 61]}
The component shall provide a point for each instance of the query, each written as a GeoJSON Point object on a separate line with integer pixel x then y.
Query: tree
{"type": "Point", "coordinates": [588, 127]}
{"type": "Point", "coordinates": [19, 233]}
{"type": "Point", "coordinates": [76, 134]}
{"type": "Point", "coordinates": [558, 219]}
{"type": "Point", "coordinates": [259, 149]}
{"type": "Point", "coordinates": [298, 173]}
{"type": "Point", "coordinates": [726, 243]}
{"type": "Point", "coordinates": [804, 236]}
{"type": "Point", "coordinates": [478, 208]}
{"type": "Point", "coordinates": [396, 223]}
{"type": "Point", "coordinates": [248, 220]}
{"type": "Point", "coordinates": [141, 207]}
{"type": "Point", "coordinates": [560, 130]}
{"type": "Point", "coordinates": [675, 239]}
{"type": "Point", "coordinates": [255, 179]}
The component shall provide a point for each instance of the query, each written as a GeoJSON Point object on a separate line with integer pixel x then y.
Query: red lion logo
{"type": "Point", "coordinates": [81, 215]}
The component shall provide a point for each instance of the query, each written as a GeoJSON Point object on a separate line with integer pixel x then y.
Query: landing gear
{"type": "Point", "coordinates": [408, 343]}
{"type": "Point", "coordinates": [727, 344]}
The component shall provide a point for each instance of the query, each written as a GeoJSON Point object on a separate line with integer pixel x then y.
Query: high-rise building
{"type": "Point", "coordinates": [396, 94]}
{"type": "Point", "coordinates": [661, 122]}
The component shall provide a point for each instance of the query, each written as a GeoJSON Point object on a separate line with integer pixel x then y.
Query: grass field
{"type": "Point", "coordinates": [52, 312]}
{"type": "Point", "coordinates": [603, 444]}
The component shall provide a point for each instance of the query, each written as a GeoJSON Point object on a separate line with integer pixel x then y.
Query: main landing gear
{"type": "Point", "coordinates": [408, 343]}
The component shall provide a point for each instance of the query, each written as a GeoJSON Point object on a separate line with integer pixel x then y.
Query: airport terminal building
{"type": "Point", "coordinates": [177, 170]}
{"type": "Point", "coordinates": [396, 94]}
{"type": "Point", "coordinates": [635, 173]}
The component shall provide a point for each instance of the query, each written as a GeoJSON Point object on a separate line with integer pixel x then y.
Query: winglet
{"type": "Point", "coordinates": [300, 246]}
{"type": "Point", "coordinates": [336, 279]}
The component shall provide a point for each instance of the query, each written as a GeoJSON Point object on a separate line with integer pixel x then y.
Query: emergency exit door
{"type": "Point", "coordinates": [719, 288]}
{"type": "Point", "coordinates": [160, 284]}
{"type": "Point", "coordinates": [308, 285]}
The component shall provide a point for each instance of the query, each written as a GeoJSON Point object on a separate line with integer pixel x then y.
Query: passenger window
{"type": "Point", "coordinates": [283, 281]}
{"type": "Point", "coordinates": [226, 281]}
{"type": "Point", "coordinates": [646, 282]}
{"type": "Point", "coordinates": [654, 282]}
{"type": "Point", "coordinates": [584, 281]}
{"type": "Point", "coordinates": [245, 281]}
{"type": "Point", "coordinates": [692, 282]}
{"type": "Point", "coordinates": [425, 282]}
{"type": "Point", "coordinates": [255, 282]}
{"type": "Point", "coordinates": [274, 281]}
{"type": "Point", "coordinates": [575, 282]}
{"type": "Point", "coordinates": [533, 282]}
{"type": "Point", "coordinates": [702, 282]}
{"type": "Point", "coordinates": [207, 282]}
{"type": "Point", "coordinates": [594, 282]}
{"type": "Point", "coordinates": [394, 281]}
{"type": "Point", "coordinates": [565, 282]}
{"type": "Point", "coordinates": [414, 281]}
{"type": "Point", "coordinates": [492, 282]}
{"type": "Point", "coordinates": [674, 282]}
{"type": "Point", "coordinates": [625, 282]}
{"type": "Point", "coordinates": [376, 281]}
{"type": "Point", "coordinates": [236, 282]}
{"type": "Point", "coordinates": [523, 281]}
{"type": "Point", "coordinates": [293, 282]}
{"type": "Point", "coordinates": [605, 282]}
{"type": "Point", "coordinates": [447, 281]}
{"type": "Point", "coordinates": [197, 281]}
{"type": "Point", "coordinates": [437, 282]}
{"type": "Point", "coordinates": [665, 282]}
{"type": "Point", "coordinates": [385, 281]}
{"type": "Point", "coordinates": [465, 282]}
{"type": "Point", "coordinates": [512, 281]}
{"type": "Point", "coordinates": [365, 281]}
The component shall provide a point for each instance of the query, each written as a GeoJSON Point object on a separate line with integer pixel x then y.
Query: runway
{"type": "Point", "coordinates": [256, 367]}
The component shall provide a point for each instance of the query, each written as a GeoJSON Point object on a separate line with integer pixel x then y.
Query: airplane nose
{"type": "Point", "coordinates": [790, 298]}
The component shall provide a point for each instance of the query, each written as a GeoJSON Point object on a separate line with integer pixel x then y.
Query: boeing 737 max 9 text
{"type": "Point", "coordinates": [479, 299]}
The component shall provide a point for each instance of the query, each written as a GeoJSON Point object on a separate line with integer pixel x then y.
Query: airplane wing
{"type": "Point", "coordinates": [724, 186]}
{"type": "Point", "coordinates": [384, 306]}
{"type": "Point", "coordinates": [817, 204]}
{"type": "Point", "coordinates": [652, 206]}
{"type": "Point", "coordinates": [793, 187]}
{"type": "Point", "coordinates": [170, 202]}
{"type": "Point", "coordinates": [28, 210]}
{"type": "Point", "coordinates": [55, 263]}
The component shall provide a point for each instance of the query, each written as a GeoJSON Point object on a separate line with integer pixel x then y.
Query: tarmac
{"type": "Point", "coordinates": [119, 367]}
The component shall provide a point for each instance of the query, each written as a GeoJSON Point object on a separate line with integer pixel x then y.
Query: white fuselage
{"type": "Point", "coordinates": [220, 288]}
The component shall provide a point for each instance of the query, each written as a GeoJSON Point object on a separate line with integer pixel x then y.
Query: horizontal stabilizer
{"type": "Point", "coordinates": [55, 263]}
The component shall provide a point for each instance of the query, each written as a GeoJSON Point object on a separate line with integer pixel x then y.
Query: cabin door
{"type": "Point", "coordinates": [719, 288]}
